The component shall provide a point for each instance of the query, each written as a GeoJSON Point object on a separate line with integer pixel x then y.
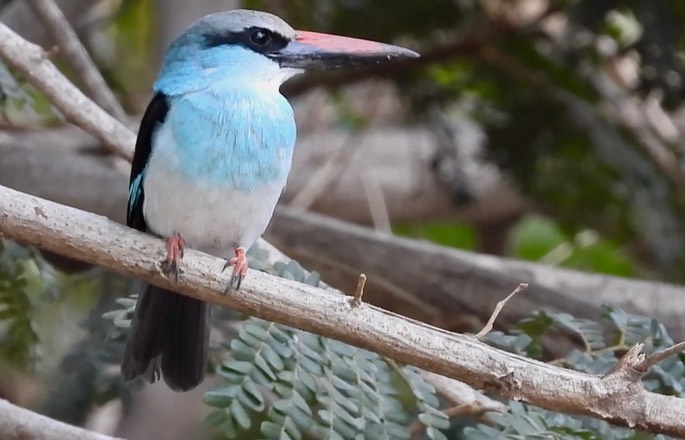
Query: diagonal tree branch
{"type": "Point", "coordinates": [618, 397]}
{"type": "Point", "coordinates": [53, 19]}
{"type": "Point", "coordinates": [33, 63]}
{"type": "Point", "coordinates": [17, 423]}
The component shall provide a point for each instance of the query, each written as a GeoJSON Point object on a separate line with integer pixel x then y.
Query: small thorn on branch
{"type": "Point", "coordinates": [631, 360]}
{"type": "Point", "coordinates": [635, 360]}
{"type": "Point", "coordinates": [356, 301]}
{"type": "Point", "coordinates": [645, 364]}
{"type": "Point", "coordinates": [498, 309]}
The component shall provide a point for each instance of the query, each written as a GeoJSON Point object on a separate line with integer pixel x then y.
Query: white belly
{"type": "Point", "coordinates": [213, 220]}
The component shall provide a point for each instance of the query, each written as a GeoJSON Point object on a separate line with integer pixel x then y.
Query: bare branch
{"type": "Point", "coordinates": [17, 423]}
{"type": "Point", "coordinates": [498, 308]}
{"type": "Point", "coordinates": [359, 292]}
{"type": "Point", "coordinates": [460, 394]}
{"type": "Point", "coordinates": [427, 274]}
{"type": "Point", "coordinates": [628, 362]}
{"type": "Point", "coordinates": [19, 17]}
{"type": "Point", "coordinates": [52, 18]}
{"type": "Point", "coordinates": [96, 240]}
{"type": "Point", "coordinates": [321, 180]}
{"type": "Point", "coordinates": [32, 62]}
{"type": "Point", "coordinates": [645, 364]}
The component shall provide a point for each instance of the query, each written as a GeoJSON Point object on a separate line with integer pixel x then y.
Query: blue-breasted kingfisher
{"type": "Point", "coordinates": [212, 157]}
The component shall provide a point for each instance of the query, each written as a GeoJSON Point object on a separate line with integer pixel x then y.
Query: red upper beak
{"type": "Point", "coordinates": [313, 50]}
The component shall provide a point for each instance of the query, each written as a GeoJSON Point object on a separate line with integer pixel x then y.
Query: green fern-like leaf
{"type": "Point", "coordinates": [541, 322]}
{"type": "Point", "coordinates": [427, 403]}
{"type": "Point", "coordinates": [322, 386]}
{"type": "Point", "coordinates": [260, 353]}
{"type": "Point", "coordinates": [341, 413]}
{"type": "Point", "coordinates": [604, 344]}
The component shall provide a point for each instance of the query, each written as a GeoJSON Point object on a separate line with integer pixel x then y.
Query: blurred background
{"type": "Point", "coordinates": [547, 131]}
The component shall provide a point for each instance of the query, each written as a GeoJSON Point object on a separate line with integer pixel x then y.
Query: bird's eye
{"type": "Point", "coordinates": [261, 37]}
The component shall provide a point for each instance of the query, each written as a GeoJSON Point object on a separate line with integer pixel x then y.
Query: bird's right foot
{"type": "Point", "coordinates": [239, 263]}
{"type": "Point", "coordinates": [174, 254]}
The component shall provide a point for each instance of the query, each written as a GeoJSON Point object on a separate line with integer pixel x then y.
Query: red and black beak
{"type": "Point", "coordinates": [313, 50]}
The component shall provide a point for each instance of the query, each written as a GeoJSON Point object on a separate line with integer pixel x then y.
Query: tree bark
{"type": "Point", "coordinates": [17, 423]}
{"type": "Point", "coordinates": [618, 397]}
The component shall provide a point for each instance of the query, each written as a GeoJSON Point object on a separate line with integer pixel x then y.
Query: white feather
{"type": "Point", "coordinates": [212, 219]}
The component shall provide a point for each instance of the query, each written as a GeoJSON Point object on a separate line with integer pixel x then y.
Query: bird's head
{"type": "Point", "coordinates": [244, 47]}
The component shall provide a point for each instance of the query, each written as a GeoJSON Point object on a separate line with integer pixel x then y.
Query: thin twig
{"type": "Point", "coordinates": [337, 162]}
{"type": "Point", "coordinates": [498, 309]}
{"type": "Point", "coordinates": [458, 393]}
{"type": "Point", "coordinates": [70, 46]}
{"type": "Point", "coordinates": [359, 292]}
{"type": "Point", "coordinates": [658, 356]}
{"type": "Point", "coordinates": [32, 62]}
{"type": "Point", "coordinates": [324, 177]}
{"type": "Point", "coordinates": [376, 200]}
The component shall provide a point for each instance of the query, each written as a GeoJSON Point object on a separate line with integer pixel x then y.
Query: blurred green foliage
{"type": "Point", "coordinates": [452, 234]}
{"type": "Point", "coordinates": [536, 238]}
{"type": "Point", "coordinates": [17, 334]}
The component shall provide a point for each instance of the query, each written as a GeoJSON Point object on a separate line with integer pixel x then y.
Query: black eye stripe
{"type": "Point", "coordinates": [266, 42]}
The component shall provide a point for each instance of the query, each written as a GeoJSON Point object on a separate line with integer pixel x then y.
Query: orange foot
{"type": "Point", "coordinates": [174, 254]}
{"type": "Point", "coordinates": [239, 263]}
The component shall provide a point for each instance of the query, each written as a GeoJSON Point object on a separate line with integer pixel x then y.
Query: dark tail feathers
{"type": "Point", "coordinates": [169, 334]}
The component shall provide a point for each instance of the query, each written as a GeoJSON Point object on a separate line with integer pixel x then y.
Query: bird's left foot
{"type": "Point", "coordinates": [239, 263]}
{"type": "Point", "coordinates": [175, 246]}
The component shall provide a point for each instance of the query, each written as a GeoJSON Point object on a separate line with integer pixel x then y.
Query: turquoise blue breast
{"type": "Point", "coordinates": [240, 138]}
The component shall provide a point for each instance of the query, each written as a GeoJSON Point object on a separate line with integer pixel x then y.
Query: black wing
{"type": "Point", "coordinates": [154, 115]}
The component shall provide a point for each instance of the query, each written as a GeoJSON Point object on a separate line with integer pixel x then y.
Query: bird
{"type": "Point", "coordinates": [211, 160]}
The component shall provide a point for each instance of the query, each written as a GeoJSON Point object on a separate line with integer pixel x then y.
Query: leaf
{"type": "Point", "coordinates": [240, 415]}
{"type": "Point", "coordinates": [215, 418]}
{"type": "Point", "coordinates": [221, 398]}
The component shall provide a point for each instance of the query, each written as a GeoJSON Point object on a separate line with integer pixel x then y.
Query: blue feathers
{"type": "Point", "coordinates": [234, 137]}
{"type": "Point", "coordinates": [229, 124]}
{"type": "Point", "coordinates": [189, 68]}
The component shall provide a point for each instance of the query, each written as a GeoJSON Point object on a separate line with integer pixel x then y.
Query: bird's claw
{"type": "Point", "coordinates": [175, 246]}
{"type": "Point", "coordinates": [239, 263]}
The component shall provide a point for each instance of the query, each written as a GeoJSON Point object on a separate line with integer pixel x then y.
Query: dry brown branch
{"type": "Point", "coordinates": [619, 398]}
{"type": "Point", "coordinates": [453, 281]}
{"type": "Point", "coordinates": [70, 46]}
{"type": "Point", "coordinates": [459, 394]}
{"type": "Point", "coordinates": [498, 309]}
{"type": "Point", "coordinates": [645, 364]}
{"type": "Point", "coordinates": [318, 183]}
{"type": "Point", "coordinates": [17, 423]}
{"type": "Point", "coordinates": [32, 62]}
{"type": "Point", "coordinates": [18, 16]}
{"type": "Point", "coordinates": [378, 209]}
{"type": "Point", "coordinates": [359, 291]}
